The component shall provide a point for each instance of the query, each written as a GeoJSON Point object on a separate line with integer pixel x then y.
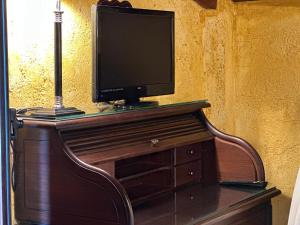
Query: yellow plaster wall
{"type": "Point", "coordinates": [269, 80]}
{"type": "Point", "coordinates": [243, 57]}
{"type": "Point", "coordinates": [252, 77]}
{"type": "Point", "coordinates": [31, 54]}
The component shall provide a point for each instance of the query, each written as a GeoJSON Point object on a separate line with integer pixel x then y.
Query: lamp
{"type": "Point", "coordinates": [58, 56]}
{"type": "Point", "coordinates": [58, 108]}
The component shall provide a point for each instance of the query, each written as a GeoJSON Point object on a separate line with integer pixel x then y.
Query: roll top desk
{"type": "Point", "coordinates": [146, 166]}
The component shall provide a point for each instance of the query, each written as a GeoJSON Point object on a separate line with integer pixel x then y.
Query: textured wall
{"type": "Point", "coordinates": [268, 91]}
{"type": "Point", "coordinates": [31, 61]}
{"type": "Point", "coordinates": [31, 52]}
{"type": "Point", "coordinates": [251, 61]}
{"type": "Point", "coordinates": [243, 57]}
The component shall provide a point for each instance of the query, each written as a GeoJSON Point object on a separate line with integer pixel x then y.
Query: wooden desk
{"type": "Point", "coordinates": [153, 166]}
{"type": "Point", "coordinates": [213, 204]}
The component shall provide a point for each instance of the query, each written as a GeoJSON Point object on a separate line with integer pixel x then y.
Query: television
{"type": "Point", "coordinates": [133, 53]}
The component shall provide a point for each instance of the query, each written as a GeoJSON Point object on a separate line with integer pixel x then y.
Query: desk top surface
{"type": "Point", "coordinates": [196, 204]}
{"type": "Point", "coordinates": [106, 109]}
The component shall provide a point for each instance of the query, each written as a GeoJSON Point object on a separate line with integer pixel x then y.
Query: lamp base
{"type": "Point", "coordinates": [44, 113]}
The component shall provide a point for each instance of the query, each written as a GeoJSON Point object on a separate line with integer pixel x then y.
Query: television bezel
{"type": "Point", "coordinates": [131, 93]}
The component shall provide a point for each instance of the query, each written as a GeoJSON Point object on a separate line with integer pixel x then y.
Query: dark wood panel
{"type": "Point", "coordinates": [233, 162]}
{"type": "Point", "coordinates": [91, 133]}
{"type": "Point", "coordinates": [209, 205]}
{"type": "Point", "coordinates": [115, 3]}
{"type": "Point", "coordinates": [188, 173]}
{"type": "Point", "coordinates": [108, 167]}
{"type": "Point", "coordinates": [118, 136]}
{"type": "Point", "coordinates": [187, 153]}
{"type": "Point", "coordinates": [56, 186]}
{"type": "Point", "coordinates": [143, 188]}
{"type": "Point", "coordinates": [209, 163]}
{"type": "Point", "coordinates": [157, 211]}
{"type": "Point", "coordinates": [142, 149]}
{"type": "Point", "coordinates": [143, 164]}
{"type": "Point", "coordinates": [91, 171]}
{"type": "Point", "coordinates": [254, 216]}
{"type": "Point", "coordinates": [236, 158]}
{"type": "Point", "coordinates": [208, 4]}
{"type": "Point", "coordinates": [118, 118]}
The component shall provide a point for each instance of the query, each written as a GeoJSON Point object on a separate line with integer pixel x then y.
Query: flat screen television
{"type": "Point", "coordinates": [133, 53]}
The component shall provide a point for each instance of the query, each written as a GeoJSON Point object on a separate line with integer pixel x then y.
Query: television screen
{"type": "Point", "coordinates": [133, 53]}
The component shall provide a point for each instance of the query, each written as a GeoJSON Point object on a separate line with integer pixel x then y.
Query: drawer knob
{"type": "Point", "coordinates": [191, 173]}
{"type": "Point", "coordinates": [154, 142]}
{"type": "Point", "coordinates": [191, 152]}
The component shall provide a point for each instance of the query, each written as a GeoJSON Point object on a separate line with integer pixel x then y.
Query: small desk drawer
{"type": "Point", "coordinates": [187, 153]}
{"type": "Point", "coordinates": [187, 173]}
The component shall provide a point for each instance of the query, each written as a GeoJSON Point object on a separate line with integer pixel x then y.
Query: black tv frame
{"type": "Point", "coordinates": [132, 94]}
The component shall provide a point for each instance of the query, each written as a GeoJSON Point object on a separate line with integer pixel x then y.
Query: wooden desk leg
{"type": "Point", "coordinates": [269, 213]}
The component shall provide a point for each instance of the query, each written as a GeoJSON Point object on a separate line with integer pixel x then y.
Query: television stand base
{"type": "Point", "coordinates": [126, 104]}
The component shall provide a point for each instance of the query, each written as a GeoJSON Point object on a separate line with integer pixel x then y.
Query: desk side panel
{"type": "Point", "coordinates": [236, 159]}
{"type": "Point", "coordinates": [53, 187]}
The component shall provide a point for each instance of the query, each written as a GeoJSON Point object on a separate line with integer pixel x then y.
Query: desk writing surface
{"type": "Point", "coordinates": [193, 204]}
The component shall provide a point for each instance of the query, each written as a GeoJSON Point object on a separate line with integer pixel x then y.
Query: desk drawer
{"type": "Point", "coordinates": [187, 173]}
{"type": "Point", "coordinates": [187, 153]}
